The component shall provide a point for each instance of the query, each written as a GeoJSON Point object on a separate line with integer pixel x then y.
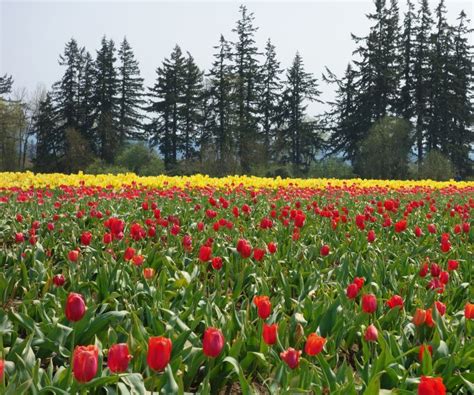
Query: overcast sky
{"type": "Point", "coordinates": [33, 33]}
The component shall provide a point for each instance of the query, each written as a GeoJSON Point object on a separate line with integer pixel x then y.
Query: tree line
{"type": "Point", "coordinates": [405, 96]}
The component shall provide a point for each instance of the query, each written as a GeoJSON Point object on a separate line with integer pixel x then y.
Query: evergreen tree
{"type": "Point", "coordinates": [165, 104]}
{"type": "Point", "coordinates": [342, 120]}
{"type": "Point", "coordinates": [421, 77]}
{"type": "Point", "coordinates": [460, 66]}
{"type": "Point", "coordinates": [191, 111]}
{"type": "Point", "coordinates": [49, 138]}
{"type": "Point", "coordinates": [6, 83]}
{"type": "Point", "coordinates": [130, 99]}
{"type": "Point", "coordinates": [107, 136]}
{"type": "Point", "coordinates": [246, 72]}
{"type": "Point", "coordinates": [220, 109]}
{"type": "Point", "coordinates": [86, 99]}
{"type": "Point", "coordinates": [299, 134]}
{"type": "Point", "coordinates": [406, 106]}
{"type": "Point", "coordinates": [270, 92]}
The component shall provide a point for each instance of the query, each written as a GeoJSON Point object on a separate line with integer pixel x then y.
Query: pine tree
{"type": "Point", "coordinates": [6, 83]}
{"type": "Point", "coordinates": [107, 137]}
{"type": "Point", "coordinates": [421, 77]}
{"type": "Point", "coordinates": [190, 112]}
{"type": "Point", "coordinates": [49, 138]}
{"type": "Point", "coordinates": [299, 134]}
{"type": "Point", "coordinates": [165, 105]}
{"type": "Point", "coordinates": [246, 71]}
{"type": "Point", "coordinates": [406, 106]}
{"type": "Point", "coordinates": [342, 119]}
{"type": "Point", "coordinates": [461, 138]}
{"type": "Point", "coordinates": [439, 117]}
{"type": "Point", "coordinates": [220, 101]}
{"type": "Point", "coordinates": [86, 99]}
{"type": "Point", "coordinates": [270, 94]}
{"type": "Point", "coordinates": [130, 98]}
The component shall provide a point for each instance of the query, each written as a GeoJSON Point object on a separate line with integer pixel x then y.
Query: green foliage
{"type": "Point", "coordinates": [383, 154]}
{"type": "Point", "coordinates": [436, 166]}
{"type": "Point", "coordinates": [331, 168]}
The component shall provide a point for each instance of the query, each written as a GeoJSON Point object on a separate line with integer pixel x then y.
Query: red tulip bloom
{"type": "Point", "coordinates": [324, 251]}
{"type": "Point", "coordinates": [244, 248]}
{"type": "Point", "coordinates": [441, 307]}
{"type": "Point", "coordinates": [159, 352]}
{"type": "Point", "coordinates": [469, 311]}
{"type": "Point", "coordinates": [216, 263]}
{"type": "Point", "coordinates": [19, 237]}
{"type": "Point", "coordinates": [148, 272]}
{"type": "Point", "coordinates": [85, 362]}
{"type": "Point", "coordinates": [314, 344]}
{"type": "Point", "coordinates": [118, 358]}
{"type": "Point", "coordinates": [272, 248]}
{"type": "Point", "coordinates": [86, 238]}
{"type": "Point", "coordinates": [359, 281]}
{"type": "Point", "coordinates": [424, 270]}
{"type": "Point", "coordinates": [452, 264]}
{"type": "Point", "coordinates": [212, 342]}
{"type": "Point", "coordinates": [422, 350]}
{"type": "Point", "coordinates": [369, 303]}
{"type": "Point", "coordinates": [75, 307]}
{"type": "Point", "coordinates": [59, 280]}
{"type": "Point", "coordinates": [352, 291]}
{"type": "Point", "coordinates": [371, 334]}
{"type": "Point", "coordinates": [420, 317]}
{"type": "Point", "coordinates": [205, 253]}
{"type": "Point", "coordinates": [435, 270]}
{"type": "Point", "coordinates": [291, 357]}
{"type": "Point", "coordinates": [73, 255]}
{"type": "Point", "coordinates": [129, 253]}
{"type": "Point", "coordinates": [264, 306]}
{"type": "Point", "coordinates": [269, 333]}
{"type": "Point", "coordinates": [138, 260]}
{"type": "Point", "coordinates": [258, 254]}
{"type": "Point", "coordinates": [444, 277]}
{"type": "Point", "coordinates": [400, 226]}
{"type": "Point", "coordinates": [431, 386]}
{"type": "Point", "coordinates": [371, 236]}
{"type": "Point", "coordinates": [2, 369]}
{"type": "Point", "coordinates": [429, 318]}
{"type": "Point", "coordinates": [394, 301]}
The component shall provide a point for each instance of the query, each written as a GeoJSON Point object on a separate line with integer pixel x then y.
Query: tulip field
{"type": "Point", "coordinates": [239, 285]}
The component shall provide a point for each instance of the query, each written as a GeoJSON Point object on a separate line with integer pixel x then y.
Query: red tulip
{"type": "Point", "coordinates": [452, 264]}
{"type": "Point", "coordinates": [73, 255]}
{"type": "Point", "coordinates": [359, 281]}
{"type": "Point", "coordinates": [148, 272]}
{"type": "Point", "coordinates": [444, 277]}
{"type": "Point", "coordinates": [394, 301]}
{"type": "Point", "coordinates": [369, 303]}
{"type": "Point", "coordinates": [2, 369]}
{"type": "Point", "coordinates": [352, 291]}
{"type": "Point", "coordinates": [19, 237]}
{"type": "Point", "coordinates": [85, 362]}
{"type": "Point", "coordinates": [291, 357]}
{"type": "Point", "coordinates": [314, 344]}
{"type": "Point", "coordinates": [424, 270]}
{"type": "Point", "coordinates": [217, 263]}
{"type": "Point", "coordinates": [435, 270]}
{"type": "Point", "coordinates": [272, 248]}
{"type": "Point", "coordinates": [205, 253]}
{"type": "Point", "coordinates": [258, 254]}
{"type": "Point", "coordinates": [264, 306]}
{"type": "Point", "coordinates": [118, 358]}
{"type": "Point", "coordinates": [429, 318]}
{"type": "Point", "coordinates": [59, 280]}
{"type": "Point", "coordinates": [431, 386]}
{"type": "Point", "coordinates": [420, 317]}
{"type": "Point", "coordinates": [422, 350]}
{"type": "Point", "coordinates": [324, 251]}
{"type": "Point", "coordinates": [469, 311]}
{"type": "Point", "coordinates": [75, 307]}
{"type": "Point", "coordinates": [269, 333]}
{"type": "Point", "coordinates": [129, 253]}
{"type": "Point", "coordinates": [400, 226]}
{"type": "Point", "coordinates": [212, 342]}
{"type": "Point", "coordinates": [138, 260]}
{"type": "Point", "coordinates": [86, 238]}
{"type": "Point", "coordinates": [441, 307]}
{"type": "Point", "coordinates": [371, 334]}
{"type": "Point", "coordinates": [159, 352]}
{"type": "Point", "coordinates": [371, 236]}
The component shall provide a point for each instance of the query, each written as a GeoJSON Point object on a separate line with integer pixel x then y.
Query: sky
{"type": "Point", "coordinates": [33, 33]}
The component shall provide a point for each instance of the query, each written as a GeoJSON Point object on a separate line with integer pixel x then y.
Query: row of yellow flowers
{"type": "Point", "coordinates": [29, 179]}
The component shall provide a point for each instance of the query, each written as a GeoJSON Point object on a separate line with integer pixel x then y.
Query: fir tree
{"type": "Point", "coordinates": [107, 136]}
{"type": "Point", "coordinates": [246, 72]}
{"type": "Point", "coordinates": [270, 94]}
{"type": "Point", "coordinates": [49, 138]}
{"type": "Point", "coordinates": [406, 106]}
{"type": "Point", "coordinates": [165, 105]}
{"type": "Point", "coordinates": [299, 134]}
{"type": "Point", "coordinates": [6, 83]}
{"type": "Point", "coordinates": [421, 78]}
{"type": "Point", "coordinates": [191, 110]}
{"type": "Point", "coordinates": [130, 98]}
{"type": "Point", "coordinates": [86, 99]}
